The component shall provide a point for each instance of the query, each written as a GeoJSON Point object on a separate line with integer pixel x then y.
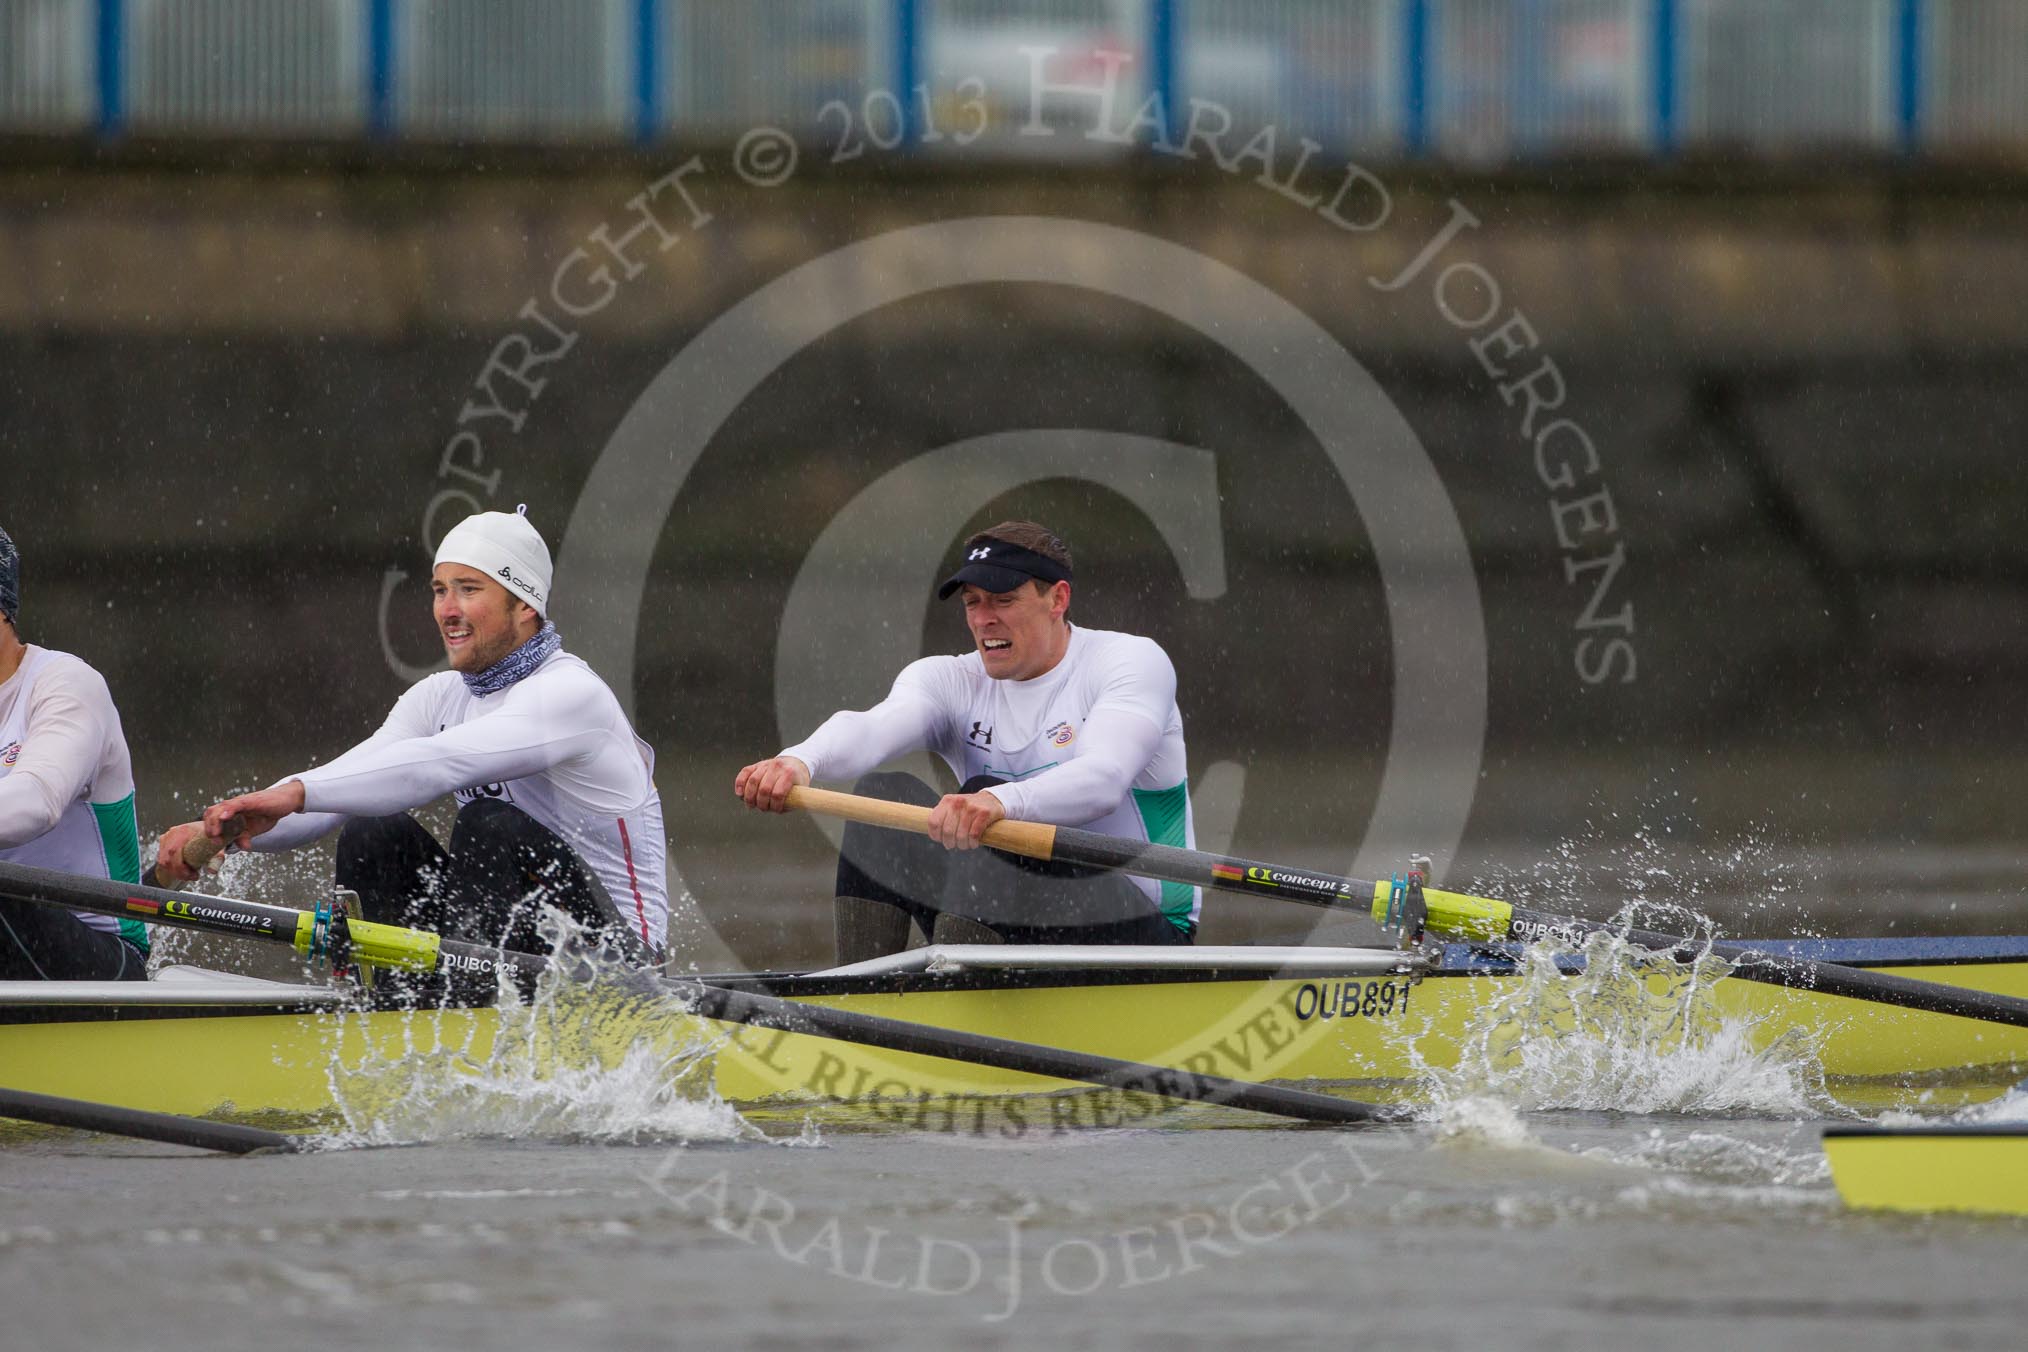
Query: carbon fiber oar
{"type": "Point", "coordinates": [1038, 840]}
{"type": "Point", "coordinates": [1748, 963]}
{"type": "Point", "coordinates": [1456, 914]}
{"type": "Point", "coordinates": [114, 1121]}
{"type": "Point", "coordinates": [396, 947]}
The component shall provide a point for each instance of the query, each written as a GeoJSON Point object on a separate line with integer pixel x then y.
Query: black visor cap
{"type": "Point", "coordinates": [997, 566]}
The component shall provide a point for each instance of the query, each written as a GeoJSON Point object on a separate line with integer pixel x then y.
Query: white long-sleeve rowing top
{"type": "Point", "coordinates": [555, 744]}
{"type": "Point", "coordinates": [1095, 742]}
{"type": "Point", "coordinates": [66, 783]}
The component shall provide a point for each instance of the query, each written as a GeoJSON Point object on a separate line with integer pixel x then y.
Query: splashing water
{"type": "Point", "coordinates": [2011, 1108]}
{"type": "Point", "coordinates": [600, 1060]}
{"type": "Point", "coordinates": [522, 1087]}
{"type": "Point", "coordinates": [1750, 878]}
{"type": "Point", "coordinates": [1633, 1032]}
{"type": "Point", "coordinates": [1475, 1121]}
{"type": "Point", "coordinates": [1716, 1157]}
{"type": "Point", "coordinates": [603, 1059]}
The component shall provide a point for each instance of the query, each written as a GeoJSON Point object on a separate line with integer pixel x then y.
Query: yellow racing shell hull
{"type": "Point", "coordinates": [1379, 1036]}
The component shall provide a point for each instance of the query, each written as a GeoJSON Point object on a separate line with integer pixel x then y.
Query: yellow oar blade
{"type": "Point", "coordinates": [1943, 1168]}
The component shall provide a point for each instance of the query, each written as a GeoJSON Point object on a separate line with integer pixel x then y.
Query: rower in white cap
{"type": "Point", "coordinates": [556, 795]}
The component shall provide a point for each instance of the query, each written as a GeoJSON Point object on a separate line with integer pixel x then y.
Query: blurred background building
{"type": "Point", "coordinates": [257, 255]}
{"type": "Point", "coordinates": [1469, 81]}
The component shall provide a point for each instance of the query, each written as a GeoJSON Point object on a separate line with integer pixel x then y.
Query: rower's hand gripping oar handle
{"type": "Point", "coordinates": [1467, 916]}
{"type": "Point", "coordinates": [198, 851]}
{"type": "Point", "coordinates": [1034, 840]}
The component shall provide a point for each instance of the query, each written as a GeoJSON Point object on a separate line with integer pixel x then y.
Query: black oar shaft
{"type": "Point", "coordinates": [65, 1112]}
{"type": "Point", "coordinates": [895, 1035]}
{"type": "Point", "coordinates": [1037, 840]}
{"type": "Point", "coordinates": [1464, 916]}
{"type": "Point", "coordinates": [1884, 987]}
{"type": "Point", "coordinates": [224, 915]}
{"type": "Point", "coordinates": [1828, 978]}
{"type": "Point", "coordinates": [871, 1030]}
{"type": "Point", "coordinates": [1247, 877]}
{"type": "Point", "coordinates": [153, 905]}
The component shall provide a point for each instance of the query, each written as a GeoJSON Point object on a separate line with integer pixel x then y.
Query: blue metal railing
{"type": "Point", "coordinates": [1415, 57]}
{"type": "Point", "coordinates": [1908, 74]}
{"type": "Point", "coordinates": [112, 46]}
{"type": "Point", "coordinates": [380, 67]}
{"type": "Point", "coordinates": [1457, 79]}
{"type": "Point", "coordinates": [908, 65]}
{"type": "Point", "coordinates": [647, 70]}
{"type": "Point", "coordinates": [1662, 64]}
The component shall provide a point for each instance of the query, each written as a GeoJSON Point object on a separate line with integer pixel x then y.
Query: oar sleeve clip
{"type": "Point", "coordinates": [331, 936]}
{"type": "Point", "coordinates": [1407, 915]}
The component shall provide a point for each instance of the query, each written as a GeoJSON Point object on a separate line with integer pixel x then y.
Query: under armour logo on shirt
{"type": "Point", "coordinates": [981, 552]}
{"type": "Point", "coordinates": [981, 734]}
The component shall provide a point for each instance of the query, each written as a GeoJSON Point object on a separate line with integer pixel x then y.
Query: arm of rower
{"type": "Point", "coordinates": [274, 827]}
{"type": "Point", "coordinates": [408, 719]}
{"type": "Point", "coordinates": [850, 743]}
{"type": "Point", "coordinates": [297, 830]}
{"type": "Point", "coordinates": [1115, 748]}
{"type": "Point", "coordinates": [526, 736]}
{"type": "Point", "coordinates": [67, 736]}
{"type": "Point", "coordinates": [1120, 736]}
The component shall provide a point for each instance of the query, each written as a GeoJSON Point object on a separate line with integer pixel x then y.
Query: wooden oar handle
{"type": "Point", "coordinates": [1036, 840]}
{"type": "Point", "coordinates": [201, 850]}
{"type": "Point", "coordinates": [198, 851]}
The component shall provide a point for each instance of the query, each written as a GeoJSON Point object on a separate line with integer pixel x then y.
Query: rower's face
{"type": "Point", "coordinates": [478, 620]}
{"type": "Point", "coordinates": [1020, 634]}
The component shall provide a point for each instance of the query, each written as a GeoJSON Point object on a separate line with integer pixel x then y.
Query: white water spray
{"type": "Point", "coordinates": [1633, 1032]}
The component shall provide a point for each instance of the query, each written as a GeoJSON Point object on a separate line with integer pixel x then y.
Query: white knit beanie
{"type": "Point", "coordinates": [505, 547]}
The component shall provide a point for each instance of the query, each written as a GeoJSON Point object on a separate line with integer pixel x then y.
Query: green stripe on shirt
{"type": "Point", "coordinates": [1165, 814]}
{"type": "Point", "coordinates": [120, 838]}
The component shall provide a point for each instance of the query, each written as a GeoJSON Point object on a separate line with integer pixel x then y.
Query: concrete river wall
{"type": "Point", "coordinates": [1735, 462]}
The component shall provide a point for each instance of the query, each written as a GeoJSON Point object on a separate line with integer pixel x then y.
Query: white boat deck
{"type": "Point", "coordinates": [198, 987]}
{"type": "Point", "coordinates": [1310, 961]}
{"type": "Point", "coordinates": [172, 986]}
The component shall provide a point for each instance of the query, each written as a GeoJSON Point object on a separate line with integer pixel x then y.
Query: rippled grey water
{"type": "Point", "coordinates": [1570, 1230]}
{"type": "Point", "coordinates": [1486, 1228]}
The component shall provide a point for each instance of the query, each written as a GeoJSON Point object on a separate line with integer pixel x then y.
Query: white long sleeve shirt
{"type": "Point", "coordinates": [555, 744]}
{"type": "Point", "coordinates": [66, 783]}
{"type": "Point", "coordinates": [1095, 742]}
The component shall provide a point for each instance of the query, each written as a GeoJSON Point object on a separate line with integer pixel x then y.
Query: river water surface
{"type": "Point", "coordinates": [1595, 1191]}
{"type": "Point", "coordinates": [1564, 1230]}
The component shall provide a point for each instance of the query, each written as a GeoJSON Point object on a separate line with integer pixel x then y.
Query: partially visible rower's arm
{"type": "Point", "coordinates": [66, 739]}
{"type": "Point", "coordinates": [1114, 748]}
{"type": "Point", "coordinates": [851, 743]}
